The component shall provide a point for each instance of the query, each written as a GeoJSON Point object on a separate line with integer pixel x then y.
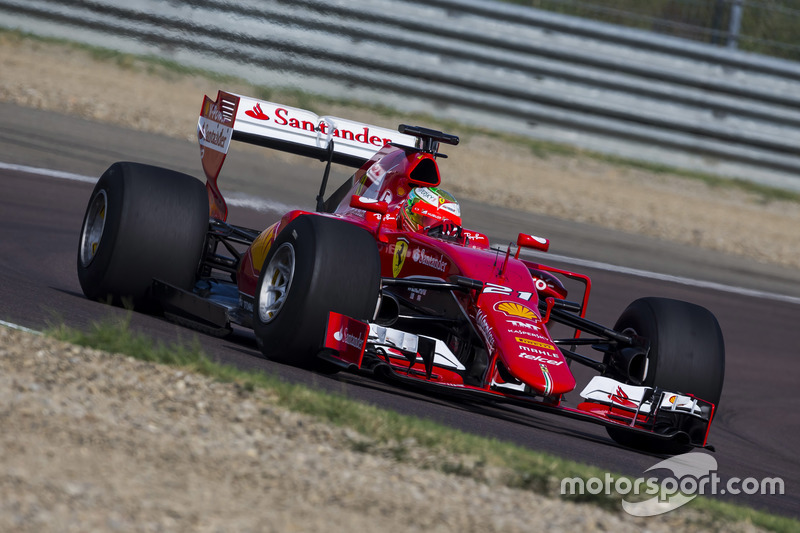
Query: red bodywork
{"type": "Point", "coordinates": [508, 309]}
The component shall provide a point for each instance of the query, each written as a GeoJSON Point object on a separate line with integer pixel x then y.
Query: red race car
{"type": "Point", "coordinates": [383, 279]}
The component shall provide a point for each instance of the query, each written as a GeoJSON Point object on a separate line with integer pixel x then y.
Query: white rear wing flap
{"type": "Point", "coordinates": [290, 129]}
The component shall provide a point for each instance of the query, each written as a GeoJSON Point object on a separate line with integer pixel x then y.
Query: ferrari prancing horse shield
{"type": "Point", "coordinates": [400, 249]}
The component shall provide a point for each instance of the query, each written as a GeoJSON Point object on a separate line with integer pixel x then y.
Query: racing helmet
{"type": "Point", "coordinates": [428, 207]}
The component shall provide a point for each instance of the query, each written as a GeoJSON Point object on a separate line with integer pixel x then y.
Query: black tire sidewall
{"type": "Point", "coordinates": [155, 228]}
{"type": "Point", "coordinates": [687, 355]}
{"type": "Point", "coordinates": [337, 268]}
{"type": "Point", "coordinates": [92, 276]}
{"type": "Point", "coordinates": [282, 334]}
{"type": "Point", "coordinates": [687, 352]}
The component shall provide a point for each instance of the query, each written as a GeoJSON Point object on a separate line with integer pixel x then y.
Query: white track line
{"type": "Point", "coordinates": [260, 204]}
{"type": "Point", "coordinates": [17, 326]}
{"type": "Point", "coordinates": [665, 277]}
{"type": "Point", "coordinates": [47, 172]}
{"type": "Point", "coordinates": [235, 199]}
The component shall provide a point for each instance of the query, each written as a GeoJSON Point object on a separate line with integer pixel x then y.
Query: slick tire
{"type": "Point", "coordinates": [142, 222]}
{"type": "Point", "coordinates": [687, 354]}
{"type": "Point", "coordinates": [316, 265]}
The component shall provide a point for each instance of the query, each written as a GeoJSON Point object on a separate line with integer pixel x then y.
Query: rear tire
{"type": "Point", "coordinates": [142, 222]}
{"type": "Point", "coordinates": [687, 355]}
{"type": "Point", "coordinates": [316, 265]}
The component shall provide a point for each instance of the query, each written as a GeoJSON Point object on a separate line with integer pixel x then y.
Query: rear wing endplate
{"type": "Point", "coordinates": [245, 119]}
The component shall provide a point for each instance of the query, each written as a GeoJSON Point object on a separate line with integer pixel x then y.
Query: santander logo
{"type": "Point", "coordinates": [257, 113]}
{"type": "Point", "coordinates": [217, 137]}
{"type": "Point", "coordinates": [351, 340]}
{"type": "Point", "coordinates": [419, 256]}
{"type": "Point", "coordinates": [282, 116]}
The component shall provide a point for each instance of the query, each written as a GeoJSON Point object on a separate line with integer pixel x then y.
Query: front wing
{"type": "Point", "coordinates": [420, 362]}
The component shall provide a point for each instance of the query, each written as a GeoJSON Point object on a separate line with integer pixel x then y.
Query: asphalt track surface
{"type": "Point", "coordinates": [756, 431]}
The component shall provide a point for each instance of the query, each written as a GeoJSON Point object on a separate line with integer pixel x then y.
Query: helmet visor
{"type": "Point", "coordinates": [427, 216]}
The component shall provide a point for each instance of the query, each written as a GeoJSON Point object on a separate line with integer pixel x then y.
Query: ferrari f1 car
{"type": "Point", "coordinates": [373, 283]}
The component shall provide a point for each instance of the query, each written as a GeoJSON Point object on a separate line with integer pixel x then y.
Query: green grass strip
{"type": "Point", "coordinates": [464, 454]}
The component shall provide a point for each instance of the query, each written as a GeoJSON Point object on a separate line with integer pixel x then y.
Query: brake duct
{"type": "Point", "coordinates": [631, 363]}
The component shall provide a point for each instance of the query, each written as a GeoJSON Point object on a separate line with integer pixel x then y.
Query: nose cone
{"type": "Point", "coordinates": [526, 349]}
{"type": "Point", "coordinates": [549, 378]}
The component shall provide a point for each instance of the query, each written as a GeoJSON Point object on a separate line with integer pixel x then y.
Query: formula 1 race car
{"type": "Point", "coordinates": [383, 280]}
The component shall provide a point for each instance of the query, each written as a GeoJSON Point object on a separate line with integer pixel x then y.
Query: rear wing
{"type": "Point", "coordinates": [245, 119]}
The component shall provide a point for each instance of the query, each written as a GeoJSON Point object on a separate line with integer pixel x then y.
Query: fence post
{"type": "Point", "coordinates": [735, 23]}
{"type": "Point", "coordinates": [716, 22]}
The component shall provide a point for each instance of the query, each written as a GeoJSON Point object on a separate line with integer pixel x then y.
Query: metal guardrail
{"type": "Point", "coordinates": [535, 73]}
{"type": "Point", "coordinates": [761, 26]}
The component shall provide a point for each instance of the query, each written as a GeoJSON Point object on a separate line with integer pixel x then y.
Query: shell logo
{"type": "Point", "coordinates": [262, 244]}
{"type": "Point", "coordinates": [672, 398]}
{"type": "Point", "coordinates": [516, 309]}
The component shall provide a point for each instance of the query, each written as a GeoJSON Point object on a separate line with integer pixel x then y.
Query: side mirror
{"type": "Point", "coordinates": [369, 204]}
{"type": "Point", "coordinates": [531, 241]}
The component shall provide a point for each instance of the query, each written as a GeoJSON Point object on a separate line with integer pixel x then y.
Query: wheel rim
{"type": "Point", "coordinates": [276, 283]}
{"type": "Point", "coordinates": [93, 227]}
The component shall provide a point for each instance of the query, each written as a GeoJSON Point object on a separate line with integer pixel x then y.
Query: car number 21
{"type": "Point", "coordinates": [491, 288]}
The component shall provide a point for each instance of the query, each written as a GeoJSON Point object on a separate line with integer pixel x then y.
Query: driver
{"type": "Point", "coordinates": [432, 211]}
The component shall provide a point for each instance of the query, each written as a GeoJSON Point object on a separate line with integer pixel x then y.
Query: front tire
{"type": "Point", "coordinates": [687, 355]}
{"type": "Point", "coordinates": [316, 265]}
{"type": "Point", "coordinates": [142, 222]}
